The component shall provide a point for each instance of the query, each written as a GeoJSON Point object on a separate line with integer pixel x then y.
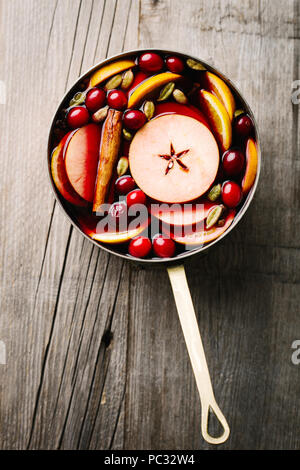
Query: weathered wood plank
{"type": "Point", "coordinates": [26, 204]}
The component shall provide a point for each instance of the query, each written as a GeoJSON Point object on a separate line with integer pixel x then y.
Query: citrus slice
{"type": "Point", "coordinates": [114, 237]}
{"type": "Point", "coordinates": [174, 158]}
{"type": "Point", "coordinates": [219, 88]}
{"type": "Point", "coordinates": [109, 70]}
{"type": "Point", "coordinates": [218, 118]}
{"type": "Point", "coordinates": [251, 166]}
{"type": "Point", "coordinates": [147, 86]}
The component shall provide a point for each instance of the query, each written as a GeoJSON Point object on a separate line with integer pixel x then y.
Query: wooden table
{"type": "Point", "coordinates": [95, 355]}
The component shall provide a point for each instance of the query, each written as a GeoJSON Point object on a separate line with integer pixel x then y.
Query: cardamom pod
{"type": "Point", "coordinates": [238, 112]}
{"type": "Point", "coordinates": [127, 79]}
{"type": "Point", "coordinates": [149, 109]}
{"type": "Point", "coordinates": [214, 193]}
{"type": "Point", "coordinates": [179, 96]}
{"type": "Point", "coordinates": [166, 91]}
{"type": "Point", "coordinates": [100, 115]}
{"type": "Point", "coordinates": [77, 99]}
{"type": "Point", "coordinates": [214, 215]}
{"type": "Point", "coordinates": [113, 82]}
{"type": "Point", "coordinates": [195, 65]}
{"type": "Point", "coordinates": [127, 135]}
{"type": "Point", "coordinates": [122, 166]}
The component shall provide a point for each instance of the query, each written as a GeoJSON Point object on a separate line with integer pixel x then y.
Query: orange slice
{"type": "Point", "coordinates": [251, 166]}
{"type": "Point", "coordinates": [109, 70]}
{"type": "Point", "coordinates": [147, 86]}
{"type": "Point", "coordinates": [218, 117]}
{"type": "Point", "coordinates": [219, 88]}
{"type": "Point", "coordinates": [202, 236]}
{"type": "Point", "coordinates": [115, 237]}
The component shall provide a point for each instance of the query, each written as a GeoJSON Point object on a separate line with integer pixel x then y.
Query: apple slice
{"type": "Point", "coordinates": [147, 86]}
{"type": "Point", "coordinates": [181, 214]}
{"type": "Point", "coordinates": [181, 177]}
{"type": "Point", "coordinates": [219, 88]}
{"type": "Point", "coordinates": [109, 70]}
{"type": "Point", "coordinates": [59, 174]}
{"type": "Point", "coordinates": [251, 166]}
{"type": "Point", "coordinates": [81, 160]}
{"type": "Point", "coordinates": [176, 108]}
{"type": "Point", "coordinates": [202, 236]}
{"type": "Point", "coordinates": [218, 118]}
{"type": "Point", "coordinates": [112, 237]}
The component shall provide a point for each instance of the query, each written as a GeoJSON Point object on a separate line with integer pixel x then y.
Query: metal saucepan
{"type": "Point", "coordinates": [175, 267]}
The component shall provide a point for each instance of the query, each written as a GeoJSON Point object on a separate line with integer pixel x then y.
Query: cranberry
{"type": "Point", "coordinates": [77, 117]}
{"type": "Point", "coordinates": [163, 246]}
{"type": "Point", "coordinates": [136, 197]}
{"type": "Point", "coordinates": [134, 119]}
{"type": "Point", "coordinates": [175, 64]}
{"type": "Point", "coordinates": [233, 162]}
{"type": "Point", "coordinates": [231, 194]}
{"type": "Point", "coordinates": [140, 247]}
{"type": "Point", "coordinates": [151, 62]}
{"type": "Point", "coordinates": [95, 99]}
{"type": "Point", "coordinates": [117, 100]}
{"type": "Point", "coordinates": [124, 184]}
{"type": "Point", "coordinates": [243, 126]}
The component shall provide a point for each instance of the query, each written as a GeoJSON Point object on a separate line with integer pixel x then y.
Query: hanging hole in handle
{"type": "Point", "coordinates": [212, 417]}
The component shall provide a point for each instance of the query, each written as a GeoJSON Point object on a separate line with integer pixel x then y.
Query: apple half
{"type": "Point", "coordinates": [174, 158]}
{"type": "Point", "coordinates": [200, 237]}
{"type": "Point", "coordinates": [181, 214]}
{"type": "Point", "coordinates": [81, 160]}
{"type": "Point", "coordinates": [162, 109]}
{"type": "Point", "coordinates": [59, 174]}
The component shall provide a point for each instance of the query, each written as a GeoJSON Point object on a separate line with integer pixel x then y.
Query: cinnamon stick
{"type": "Point", "coordinates": [109, 150]}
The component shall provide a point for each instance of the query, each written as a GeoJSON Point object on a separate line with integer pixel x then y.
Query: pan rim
{"type": "Point", "coordinates": [196, 251]}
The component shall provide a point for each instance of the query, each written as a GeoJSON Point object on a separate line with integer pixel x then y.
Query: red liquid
{"type": "Point", "coordinates": [75, 184]}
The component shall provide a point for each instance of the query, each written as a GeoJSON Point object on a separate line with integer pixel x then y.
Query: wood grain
{"type": "Point", "coordinates": [95, 354]}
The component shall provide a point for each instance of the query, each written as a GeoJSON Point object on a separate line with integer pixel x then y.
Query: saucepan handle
{"type": "Point", "coordinates": [194, 345]}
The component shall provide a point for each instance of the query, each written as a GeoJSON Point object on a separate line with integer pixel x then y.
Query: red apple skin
{"type": "Point", "coordinates": [176, 108]}
{"type": "Point", "coordinates": [59, 174]}
{"type": "Point", "coordinates": [81, 160]}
